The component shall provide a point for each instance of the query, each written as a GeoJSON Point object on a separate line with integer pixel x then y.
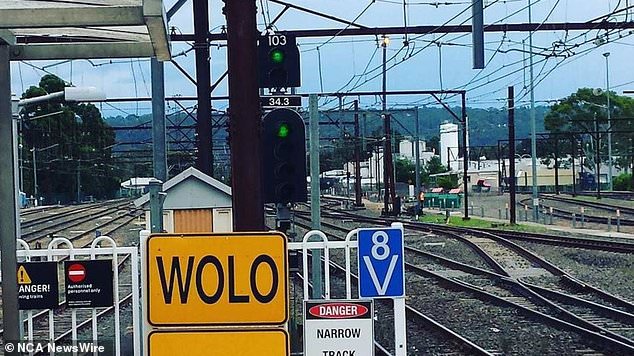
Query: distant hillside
{"type": "Point", "coordinates": [486, 126]}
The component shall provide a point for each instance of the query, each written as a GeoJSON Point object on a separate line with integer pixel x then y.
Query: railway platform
{"type": "Point", "coordinates": [558, 228]}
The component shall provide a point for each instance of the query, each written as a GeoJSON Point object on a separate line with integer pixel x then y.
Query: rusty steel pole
{"type": "Point", "coordinates": [244, 115]}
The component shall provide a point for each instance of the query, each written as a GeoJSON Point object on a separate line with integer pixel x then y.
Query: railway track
{"type": "Point", "coordinates": [48, 215]}
{"type": "Point", "coordinates": [606, 320]}
{"type": "Point", "coordinates": [44, 229]}
{"type": "Point", "coordinates": [610, 245]}
{"type": "Point", "coordinates": [591, 204]}
{"type": "Point", "coordinates": [620, 195]}
{"type": "Point", "coordinates": [39, 209]}
{"type": "Point", "coordinates": [588, 217]}
{"type": "Point", "coordinates": [436, 338]}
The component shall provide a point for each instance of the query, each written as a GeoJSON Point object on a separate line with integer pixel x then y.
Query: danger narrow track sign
{"type": "Point", "coordinates": [338, 328]}
{"type": "Point", "coordinates": [216, 279]}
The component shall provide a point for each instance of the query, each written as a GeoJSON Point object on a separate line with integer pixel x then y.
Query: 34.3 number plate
{"type": "Point", "coordinates": [281, 101]}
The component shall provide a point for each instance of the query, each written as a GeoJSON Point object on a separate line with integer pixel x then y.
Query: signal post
{"type": "Point", "coordinates": [284, 134]}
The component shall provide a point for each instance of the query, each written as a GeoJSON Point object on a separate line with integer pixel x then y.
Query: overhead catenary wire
{"type": "Point", "coordinates": [495, 22]}
{"type": "Point", "coordinates": [574, 46]}
{"type": "Point", "coordinates": [379, 67]}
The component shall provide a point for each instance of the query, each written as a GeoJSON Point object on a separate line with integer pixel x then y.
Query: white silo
{"type": "Point", "coordinates": [448, 142]}
{"type": "Point", "coordinates": [406, 148]}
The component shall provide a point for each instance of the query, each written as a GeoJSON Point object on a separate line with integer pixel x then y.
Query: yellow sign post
{"type": "Point", "coordinates": [219, 342]}
{"type": "Point", "coordinates": [216, 279]}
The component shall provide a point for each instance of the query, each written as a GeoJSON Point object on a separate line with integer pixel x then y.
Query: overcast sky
{"type": "Point", "coordinates": [353, 63]}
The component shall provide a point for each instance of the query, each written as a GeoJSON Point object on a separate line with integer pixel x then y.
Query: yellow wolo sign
{"type": "Point", "coordinates": [260, 342]}
{"type": "Point", "coordinates": [217, 279]}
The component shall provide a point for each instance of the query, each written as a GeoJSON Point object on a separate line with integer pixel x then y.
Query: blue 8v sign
{"type": "Point", "coordinates": [381, 263]}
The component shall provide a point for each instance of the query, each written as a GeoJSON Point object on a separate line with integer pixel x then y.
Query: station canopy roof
{"type": "Point", "coordinates": [74, 29]}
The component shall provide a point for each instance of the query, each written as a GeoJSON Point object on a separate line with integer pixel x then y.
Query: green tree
{"type": "Point", "coordinates": [578, 114]}
{"type": "Point", "coordinates": [433, 166]}
{"type": "Point", "coordinates": [623, 182]}
{"type": "Point", "coordinates": [405, 171]}
{"type": "Point", "coordinates": [72, 144]}
{"type": "Point", "coordinates": [448, 182]}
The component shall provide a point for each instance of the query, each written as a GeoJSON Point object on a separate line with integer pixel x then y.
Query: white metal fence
{"type": "Point", "coordinates": [324, 244]}
{"type": "Point", "coordinates": [61, 248]}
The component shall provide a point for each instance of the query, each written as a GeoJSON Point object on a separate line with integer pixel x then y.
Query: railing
{"type": "Point", "coordinates": [119, 256]}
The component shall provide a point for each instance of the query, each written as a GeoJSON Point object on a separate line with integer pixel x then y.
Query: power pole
{"type": "Point", "coordinates": [357, 157]}
{"type": "Point", "coordinates": [159, 144]}
{"type": "Point", "coordinates": [607, 94]}
{"type": "Point", "coordinates": [205, 157]}
{"type": "Point", "coordinates": [315, 208]}
{"type": "Point", "coordinates": [79, 179]}
{"type": "Point", "coordinates": [388, 182]}
{"type": "Point", "coordinates": [533, 121]}
{"type": "Point", "coordinates": [557, 164]}
{"type": "Point", "coordinates": [465, 156]}
{"type": "Point", "coordinates": [244, 114]}
{"type": "Point", "coordinates": [511, 126]}
{"type": "Point", "coordinates": [573, 143]}
{"type": "Point", "coordinates": [597, 154]}
{"type": "Point", "coordinates": [417, 165]}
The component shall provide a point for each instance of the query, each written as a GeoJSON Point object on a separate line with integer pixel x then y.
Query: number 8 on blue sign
{"type": "Point", "coordinates": [381, 264]}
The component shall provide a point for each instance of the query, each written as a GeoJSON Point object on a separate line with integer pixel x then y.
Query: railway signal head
{"type": "Point", "coordinates": [283, 157]}
{"type": "Point", "coordinates": [278, 62]}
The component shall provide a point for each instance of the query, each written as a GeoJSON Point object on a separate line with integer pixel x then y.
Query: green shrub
{"type": "Point", "coordinates": [623, 182]}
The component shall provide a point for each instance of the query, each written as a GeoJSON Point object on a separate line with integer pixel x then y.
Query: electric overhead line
{"type": "Point", "coordinates": [379, 67]}
{"type": "Point", "coordinates": [538, 27]}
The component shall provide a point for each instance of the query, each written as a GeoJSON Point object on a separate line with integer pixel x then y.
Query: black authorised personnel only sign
{"type": "Point", "coordinates": [37, 285]}
{"type": "Point", "coordinates": [89, 283]}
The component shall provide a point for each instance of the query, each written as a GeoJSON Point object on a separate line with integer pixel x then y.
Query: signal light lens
{"type": "Point", "coordinates": [283, 130]}
{"type": "Point", "coordinates": [277, 56]}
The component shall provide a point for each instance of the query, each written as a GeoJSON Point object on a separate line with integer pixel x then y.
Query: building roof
{"type": "Point", "coordinates": [84, 29]}
{"type": "Point", "coordinates": [136, 183]}
{"type": "Point", "coordinates": [187, 175]}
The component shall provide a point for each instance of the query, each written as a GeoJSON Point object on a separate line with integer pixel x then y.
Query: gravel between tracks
{"type": "Point", "coordinates": [610, 271]}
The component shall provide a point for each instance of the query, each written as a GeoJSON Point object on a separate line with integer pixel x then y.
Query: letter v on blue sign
{"type": "Point", "coordinates": [381, 263]}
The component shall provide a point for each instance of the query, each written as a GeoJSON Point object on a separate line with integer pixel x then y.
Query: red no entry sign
{"type": "Point", "coordinates": [89, 283]}
{"type": "Point", "coordinates": [76, 273]}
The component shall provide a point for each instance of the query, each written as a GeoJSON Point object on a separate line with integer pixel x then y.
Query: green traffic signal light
{"type": "Point", "coordinates": [283, 130]}
{"type": "Point", "coordinates": [276, 55]}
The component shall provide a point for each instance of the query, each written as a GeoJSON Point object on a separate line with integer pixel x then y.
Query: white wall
{"type": "Point", "coordinates": [407, 150]}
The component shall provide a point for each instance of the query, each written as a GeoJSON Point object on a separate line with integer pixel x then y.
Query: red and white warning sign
{"type": "Point", "coordinates": [76, 272]}
{"type": "Point", "coordinates": [89, 283]}
{"type": "Point", "coordinates": [338, 327]}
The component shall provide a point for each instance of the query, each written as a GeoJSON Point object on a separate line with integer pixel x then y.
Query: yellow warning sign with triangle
{"type": "Point", "coordinates": [23, 277]}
